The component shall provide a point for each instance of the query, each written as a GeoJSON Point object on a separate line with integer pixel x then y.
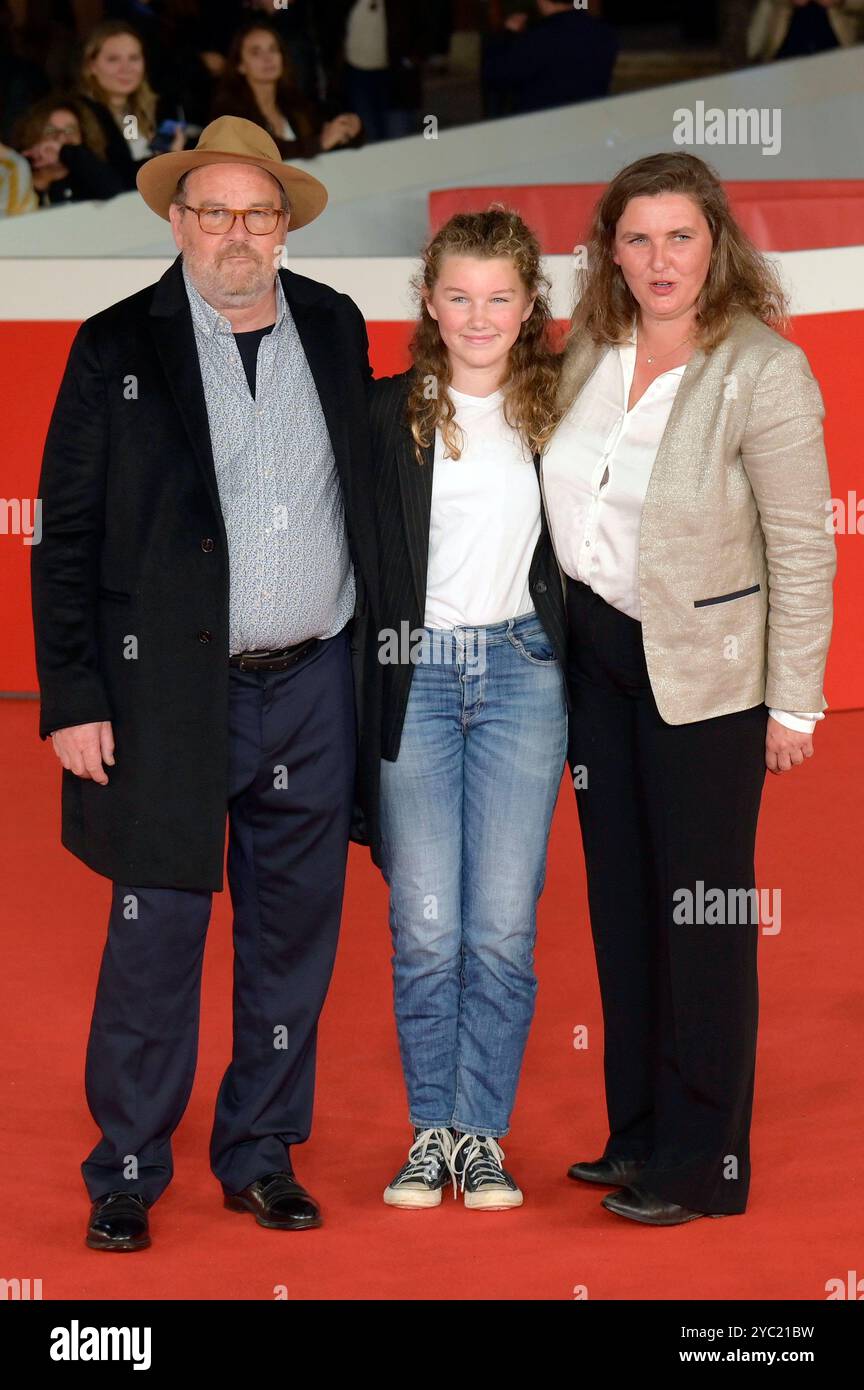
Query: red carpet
{"type": "Point", "coordinates": [803, 1225]}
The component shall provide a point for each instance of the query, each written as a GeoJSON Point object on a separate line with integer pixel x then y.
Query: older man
{"type": "Point", "coordinates": [203, 599]}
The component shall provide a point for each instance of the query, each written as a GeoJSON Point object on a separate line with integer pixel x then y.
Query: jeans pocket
{"type": "Point", "coordinates": [535, 646]}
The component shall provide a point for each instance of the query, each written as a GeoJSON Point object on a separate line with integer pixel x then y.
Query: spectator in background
{"type": "Point", "coordinates": [372, 52]}
{"type": "Point", "coordinates": [115, 88]}
{"type": "Point", "coordinates": [171, 34]}
{"type": "Point", "coordinates": [798, 28]}
{"type": "Point", "coordinates": [258, 84]}
{"type": "Point", "coordinates": [293, 25]}
{"type": "Point", "coordinates": [16, 185]}
{"type": "Point", "coordinates": [65, 146]}
{"type": "Point", "coordinates": [567, 56]}
{"type": "Point", "coordinates": [221, 18]}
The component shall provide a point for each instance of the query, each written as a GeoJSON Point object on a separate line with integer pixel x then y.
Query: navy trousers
{"type": "Point", "coordinates": [291, 787]}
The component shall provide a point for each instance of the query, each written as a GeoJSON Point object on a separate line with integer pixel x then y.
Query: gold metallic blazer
{"type": "Point", "coordinates": [737, 555]}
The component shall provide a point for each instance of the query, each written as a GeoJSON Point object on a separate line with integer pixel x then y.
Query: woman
{"type": "Point", "coordinates": [474, 723]}
{"type": "Point", "coordinates": [65, 145]}
{"type": "Point", "coordinates": [686, 487]}
{"type": "Point", "coordinates": [171, 31]}
{"type": "Point", "coordinates": [115, 89]}
{"type": "Point", "coordinates": [255, 84]}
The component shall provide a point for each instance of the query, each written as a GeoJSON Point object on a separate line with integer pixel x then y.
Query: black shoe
{"type": "Point", "coordinates": [278, 1201]}
{"type": "Point", "coordinates": [118, 1221]}
{"type": "Point", "coordinates": [422, 1178]}
{"type": "Point", "coordinates": [651, 1211]}
{"type": "Point", "coordinates": [477, 1160]}
{"type": "Point", "coordinates": [608, 1172]}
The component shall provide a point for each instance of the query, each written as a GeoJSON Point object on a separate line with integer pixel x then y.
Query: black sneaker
{"type": "Point", "coordinates": [485, 1183]}
{"type": "Point", "coordinates": [420, 1181]}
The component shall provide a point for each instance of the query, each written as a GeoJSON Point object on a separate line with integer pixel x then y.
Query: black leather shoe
{"type": "Point", "coordinates": [651, 1211]}
{"type": "Point", "coordinates": [118, 1221]}
{"type": "Point", "coordinates": [277, 1200]}
{"type": "Point", "coordinates": [608, 1172]}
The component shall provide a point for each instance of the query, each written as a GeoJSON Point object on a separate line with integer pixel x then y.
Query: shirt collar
{"type": "Point", "coordinates": [209, 320]}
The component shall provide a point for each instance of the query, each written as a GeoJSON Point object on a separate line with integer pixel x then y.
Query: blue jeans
{"type": "Point", "coordinates": [465, 816]}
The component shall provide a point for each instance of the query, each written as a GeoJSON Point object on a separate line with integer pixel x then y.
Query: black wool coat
{"type": "Point", "coordinates": [134, 550]}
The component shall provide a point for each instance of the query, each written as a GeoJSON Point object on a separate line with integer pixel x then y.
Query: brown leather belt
{"type": "Point", "coordinates": [272, 661]}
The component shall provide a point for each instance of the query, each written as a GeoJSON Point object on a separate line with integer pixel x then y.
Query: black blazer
{"type": "Point", "coordinates": [403, 503]}
{"type": "Point", "coordinates": [117, 156]}
{"type": "Point", "coordinates": [134, 544]}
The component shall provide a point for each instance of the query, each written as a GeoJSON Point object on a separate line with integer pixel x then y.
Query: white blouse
{"type": "Point", "coordinates": [596, 471]}
{"type": "Point", "coordinates": [485, 520]}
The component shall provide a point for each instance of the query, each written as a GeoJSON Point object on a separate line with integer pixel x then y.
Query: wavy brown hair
{"type": "Point", "coordinates": [142, 102]}
{"type": "Point", "coordinates": [30, 126]}
{"type": "Point", "coordinates": [739, 279]}
{"type": "Point", "coordinates": [234, 92]}
{"type": "Point", "coordinates": [529, 395]}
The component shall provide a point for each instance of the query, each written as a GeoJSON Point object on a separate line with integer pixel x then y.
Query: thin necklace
{"type": "Point", "coordinates": [661, 355]}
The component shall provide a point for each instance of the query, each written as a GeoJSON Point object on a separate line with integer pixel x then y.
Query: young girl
{"type": "Point", "coordinates": [474, 705]}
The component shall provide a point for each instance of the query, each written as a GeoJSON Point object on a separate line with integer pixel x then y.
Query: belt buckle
{"type": "Point", "coordinates": [275, 663]}
{"type": "Point", "coordinates": [247, 661]}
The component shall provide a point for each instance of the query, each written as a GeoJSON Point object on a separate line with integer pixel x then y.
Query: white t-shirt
{"type": "Point", "coordinates": [485, 520]}
{"type": "Point", "coordinates": [366, 35]}
{"type": "Point", "coordinates": [139, 148]}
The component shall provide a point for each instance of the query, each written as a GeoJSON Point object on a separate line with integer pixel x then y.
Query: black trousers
{"type": "Point", "coordinates": [664, 809]}
{"type": "Point", "coordinates": [292, 761]}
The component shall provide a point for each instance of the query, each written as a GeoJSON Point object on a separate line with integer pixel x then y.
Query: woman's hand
{"type": "Point", "coordinates": [45, 154]}
{"type": "Point", "coordinates": [785, 748]}
{"type": "Point", "coordinates": [340, 130]}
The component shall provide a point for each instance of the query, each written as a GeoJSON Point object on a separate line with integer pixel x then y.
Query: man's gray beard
{"type": "Point", "coordinates": [215, 287]}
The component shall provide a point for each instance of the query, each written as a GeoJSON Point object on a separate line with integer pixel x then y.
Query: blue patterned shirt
{"type": "Point", "coordinates": [290, 569]}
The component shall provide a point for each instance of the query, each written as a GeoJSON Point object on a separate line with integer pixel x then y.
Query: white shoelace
{"type": "Point", "coordinates": [421, 1163]}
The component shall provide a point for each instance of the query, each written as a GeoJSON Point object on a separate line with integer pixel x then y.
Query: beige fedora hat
{"type": "Point", "coordinates": [232, 140]}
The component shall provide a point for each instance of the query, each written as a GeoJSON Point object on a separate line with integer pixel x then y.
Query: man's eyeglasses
{"type": "Point", "coordinates": [258, 221]}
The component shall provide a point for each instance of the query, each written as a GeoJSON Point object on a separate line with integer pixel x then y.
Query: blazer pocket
{"type": "Point", "coordinates": [725, 598]}
{"type": "Point", "coordinates": [114, 595]}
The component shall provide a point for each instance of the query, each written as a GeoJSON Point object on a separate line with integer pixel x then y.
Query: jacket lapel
{"type": "Point", "coordinates": [174, 338]}
{"type": "Point", "coordinates": [320, 344]}
{"type": "Point", "coordinates": [677, 422]}
{"type": "Point", "coordinates": [580, 359]}
{"type": "Point", "coordinates": [415, 486]}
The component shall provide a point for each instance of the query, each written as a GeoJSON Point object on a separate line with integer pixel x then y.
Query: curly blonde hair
{"type": "Point", "coordinates": [529, 396]}
{"type": "Point", "coordinates": [739, 278]}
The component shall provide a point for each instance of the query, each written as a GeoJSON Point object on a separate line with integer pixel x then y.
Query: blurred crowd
{"type": "Point", "coordinates": [90, 88]}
